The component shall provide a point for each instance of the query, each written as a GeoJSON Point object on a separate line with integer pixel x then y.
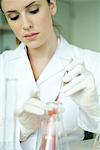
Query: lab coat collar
{"type": "Point", "coordinates": [57, 63]}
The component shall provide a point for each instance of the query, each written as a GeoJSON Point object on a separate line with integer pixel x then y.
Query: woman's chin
{"type": "Point", "coordinates": [32, 45]}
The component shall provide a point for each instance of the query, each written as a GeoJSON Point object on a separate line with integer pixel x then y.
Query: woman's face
{"type": "Point", "coordinates": [30, 20]}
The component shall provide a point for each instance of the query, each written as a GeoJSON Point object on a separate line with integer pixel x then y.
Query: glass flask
{"type": "Point", "coordinates": [51, 133]}
{"type": "Point", "coordinates": [96, 145]}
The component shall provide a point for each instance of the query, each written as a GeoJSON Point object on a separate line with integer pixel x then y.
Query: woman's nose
{"type": "Point", "coordinates": [26, 23]}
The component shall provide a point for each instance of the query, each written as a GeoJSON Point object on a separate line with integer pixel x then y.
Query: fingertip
{"type": "Point", "coordinates": [66, 79]}
{"type": "Point", "coordinates": [36, 93]}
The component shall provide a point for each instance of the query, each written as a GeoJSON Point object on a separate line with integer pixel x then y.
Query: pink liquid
{"type": "Point", "coordinates": [52, 113]}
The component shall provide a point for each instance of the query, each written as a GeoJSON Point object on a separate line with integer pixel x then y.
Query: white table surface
{"type": "Point", "coordinates": [83, 145]}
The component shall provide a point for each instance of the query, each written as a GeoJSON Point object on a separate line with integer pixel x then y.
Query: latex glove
{"type": "Point", "coordinates": [79, 84]}
{"type": "Point", "coordinates": [30, 116]}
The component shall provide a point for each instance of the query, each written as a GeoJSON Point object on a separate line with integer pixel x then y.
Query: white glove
{"type": "Point", "coordinates": [30, 116]}
{"type": "Point", "coordinates": [79, 84]}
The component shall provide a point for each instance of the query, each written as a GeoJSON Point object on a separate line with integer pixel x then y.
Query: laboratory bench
{"type": "Point", "coordinates": [83, 145]}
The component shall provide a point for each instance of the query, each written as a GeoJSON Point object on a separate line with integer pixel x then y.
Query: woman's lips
{"type": "Point", "coordinates": [31, 36]}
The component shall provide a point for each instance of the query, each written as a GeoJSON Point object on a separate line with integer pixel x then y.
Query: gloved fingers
{"type": "Point", "coordinates": [73, 64]}
{"type": "Point", "coordinates": [90, 82]}
{"type": "Point", "coordinates": [75, 89]}
{"type": "Point", "coordinates": [35, 93]}
{"type": "Point", "coordinates": [22, 115]}
{"type": "Point", "coordinates": [34, 110]}
{"type": "Point", "coordinates": [77, 84]}
{"type": "Point", "coordinates": [79, 69]}
{"type": "Point", "coordinates": [20, 111]}
{"type": "Point", "coordinates": [35, 106]}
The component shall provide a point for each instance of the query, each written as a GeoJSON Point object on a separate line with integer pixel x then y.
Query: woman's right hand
{"type": "Point", "coordinates": [30, 116]}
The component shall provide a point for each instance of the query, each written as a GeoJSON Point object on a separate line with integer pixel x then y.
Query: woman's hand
{"type": "Point", "coordinates": [30, 116]}
{"type": "Point", "coordinates": [79, 84]}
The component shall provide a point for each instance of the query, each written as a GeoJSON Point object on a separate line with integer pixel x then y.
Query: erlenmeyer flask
{"type": "Point", "coordinates": [51, 132]}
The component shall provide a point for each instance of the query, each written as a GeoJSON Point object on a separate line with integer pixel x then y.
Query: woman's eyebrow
{"type": "Point", "coordinates": [30, 4]}
{"type": "Point", "coordinates": [10, 11]}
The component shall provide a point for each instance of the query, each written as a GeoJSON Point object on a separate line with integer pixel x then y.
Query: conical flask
{"type": "Point", "coordinates": [51, 132]}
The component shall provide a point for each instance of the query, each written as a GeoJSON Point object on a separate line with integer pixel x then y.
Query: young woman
{"type": "Point", "coordinates": [41, 63]}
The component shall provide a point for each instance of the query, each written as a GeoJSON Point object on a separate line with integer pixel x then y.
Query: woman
{"type": "Point", "coordinates": [41, 63]}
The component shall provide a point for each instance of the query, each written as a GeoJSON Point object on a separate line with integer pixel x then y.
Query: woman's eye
{"type": "Point", "coordinates": [14, 18]}
{"type": "Point", "coordinates": [34, 11]}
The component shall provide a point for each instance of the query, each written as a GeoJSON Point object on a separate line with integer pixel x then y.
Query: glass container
{"type": "Point", "coordinates": [51, 133]}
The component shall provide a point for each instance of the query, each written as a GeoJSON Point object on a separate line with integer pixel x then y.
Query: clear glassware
{"type": "Point", "coordinates": [96, 144]}
{"type": "Point", "coordinates": [51, 133]}
{"type": "Point", "coordinates": [8, 103]}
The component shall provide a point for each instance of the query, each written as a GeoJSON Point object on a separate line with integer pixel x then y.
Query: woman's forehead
{"type": "Point", "coordinates": [16, 4]}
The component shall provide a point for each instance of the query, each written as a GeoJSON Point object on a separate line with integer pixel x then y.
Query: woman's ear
{"type": "Point", "coordinates": [53, 7]}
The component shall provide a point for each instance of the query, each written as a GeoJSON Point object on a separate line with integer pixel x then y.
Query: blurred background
{"type": "Point", "coordinates": [79, 22]}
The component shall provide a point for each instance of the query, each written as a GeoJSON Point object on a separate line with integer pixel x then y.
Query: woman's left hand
{"type": "Point", "coordinates": [79, 84]}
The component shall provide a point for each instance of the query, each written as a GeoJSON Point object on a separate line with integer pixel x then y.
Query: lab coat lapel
{"type": "Point", "coordinates": [58, 62]}
{"type": "Point", "coordinates": [51, 69]}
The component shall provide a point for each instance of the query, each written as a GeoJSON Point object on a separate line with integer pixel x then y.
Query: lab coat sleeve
{"type": "Point", "coordinates": [85, 121]}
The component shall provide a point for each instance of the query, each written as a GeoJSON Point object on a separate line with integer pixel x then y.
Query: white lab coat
{"type": "Point", "coordinates": [15, 64]}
